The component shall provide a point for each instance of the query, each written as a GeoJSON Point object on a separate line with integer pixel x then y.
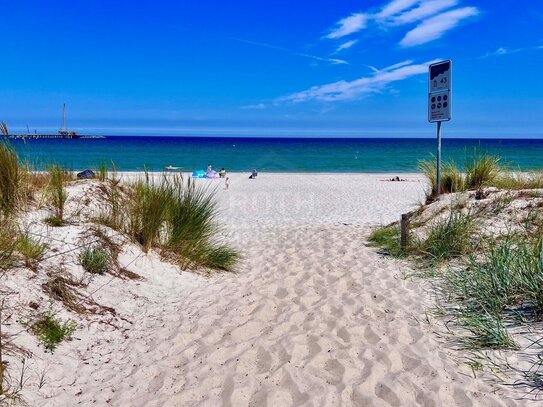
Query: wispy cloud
{"type": "Point", "coordinates": [334, 61]}
{"type": "Point", "coordinates": [423, 10]}
{"type": "Point", "coordinates": [350, 90]}
{"type": "Point", "coordinates": [434, 19]}
{"type": "Point", "coordinates": [346, 45]}
{"type": "Point", "coordinates": [259, 106]}
{"type": "Point", "coordinates": [434, 28]}
{"type": "Point", "coordinates": [394, 7]}
{"type": "Point", "coordinates": [348, 25]}
{"type": "Point", "coordinates": [502, 51]}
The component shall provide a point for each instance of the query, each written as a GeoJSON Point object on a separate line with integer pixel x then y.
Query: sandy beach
{"type": "Point", "coordinates": [312, 317]}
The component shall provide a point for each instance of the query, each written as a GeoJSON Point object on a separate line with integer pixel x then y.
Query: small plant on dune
{"type": "Point", "coordinates": [94, 260]}
{"type": "Point", "coordinates": [51, 331]}
{"type": "Point", "coordinates": [57, 193]}
{"type": "Point", "coordinates": [482, 171]}
{"type": "Point", "coordinates": [31, 249]}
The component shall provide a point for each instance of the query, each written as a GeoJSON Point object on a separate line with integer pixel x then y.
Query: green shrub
{"type": "Point", "coordinates": [51, 331]}
{"type": "Point", "coordinates": [94, 260]}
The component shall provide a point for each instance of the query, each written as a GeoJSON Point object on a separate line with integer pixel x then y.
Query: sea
{"type": "Point", "coordinates": [243, 154]}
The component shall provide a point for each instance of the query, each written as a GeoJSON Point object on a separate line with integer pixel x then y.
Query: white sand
{"type": "Point", "coordinates": [312, 318]}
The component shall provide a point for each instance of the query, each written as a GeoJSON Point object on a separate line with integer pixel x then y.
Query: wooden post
{"type": "Point", "coordinates": [404, 224]}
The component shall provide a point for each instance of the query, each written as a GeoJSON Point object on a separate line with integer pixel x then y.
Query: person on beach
{"type": "Point", "coordinates": [227, 183]}
{"type": "Point", "coordinates": [253, 174]}
{"type": "Point", "coordinates": [222, 172]}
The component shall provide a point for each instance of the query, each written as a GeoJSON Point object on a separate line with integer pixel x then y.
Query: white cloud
{"type": "Point", "coordinates": [394, 7]}
{"type": "Point", "coordinates": [349, 25]}
{"type": "Point", "coordinates": [435, 18]}
{"type": "Point", "coordinates": [258, 106]}
{"type": "Point", "coordinates": [424, 9]}
{"type": "Point", "coordinates": [344, 90]}
{"type": "Point", "coordinates": [346, 45]}
{"type": "Point", "coordinates": [434, 27]}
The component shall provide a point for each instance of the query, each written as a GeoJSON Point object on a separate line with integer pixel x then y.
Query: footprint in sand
{"type": "Point", "coordinates": [263, 360]}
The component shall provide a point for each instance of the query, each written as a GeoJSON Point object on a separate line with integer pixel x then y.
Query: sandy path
{"type": "Point", "coordinates": [313, 318]}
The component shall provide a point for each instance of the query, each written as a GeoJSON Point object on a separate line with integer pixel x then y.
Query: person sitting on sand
{"type": "Point", "coordinates": [253, 174]}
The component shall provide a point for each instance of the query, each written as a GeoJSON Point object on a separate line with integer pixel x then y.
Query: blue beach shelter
{"type": "Point", "coordinates": [199, 174]}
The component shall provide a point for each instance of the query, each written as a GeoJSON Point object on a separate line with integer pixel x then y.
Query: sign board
{"type": "Point", "coordinates": [439, 92]}
{"type": "Point", "coordinates": [439, 77]}
{"type": "Point", "coordinates": [439, 106]}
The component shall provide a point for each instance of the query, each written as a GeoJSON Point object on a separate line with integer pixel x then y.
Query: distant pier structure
{"type": "Point", "coordinates": [61, 134]}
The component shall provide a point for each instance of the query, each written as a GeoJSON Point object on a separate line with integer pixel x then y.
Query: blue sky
{"type": "Point", "coordinates": [281, 68]}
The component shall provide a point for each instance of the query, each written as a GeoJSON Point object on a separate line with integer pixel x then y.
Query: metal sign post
{"type": "Point", "coordinates": [439, 104]}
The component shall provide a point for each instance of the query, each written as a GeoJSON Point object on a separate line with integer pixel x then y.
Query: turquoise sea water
{"type": "Point", "coordinates": [270, 154]}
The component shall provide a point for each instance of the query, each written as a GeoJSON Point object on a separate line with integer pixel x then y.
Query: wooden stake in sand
{"type": "Point", "coordinates": [404, 225]}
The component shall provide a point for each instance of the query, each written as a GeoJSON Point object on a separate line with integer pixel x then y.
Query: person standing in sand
{"type": "Point", "coordinates": [227, 183]}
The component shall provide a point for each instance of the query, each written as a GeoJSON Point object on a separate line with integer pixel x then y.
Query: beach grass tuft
{"type": "Point", "coordinates": [482, 171]}
{"type": "Point", "coordinates": [94, 260]}
{"type": "Point", "coordinates": [13, 178]}
{"type": "Point", "coordinates": [452, 180]}
{"type": "Point", "coordinates": [148, 207]}
{"type": "Point", "coordinates": [56, 192]}
{"type": "Point", "coordinates": [447, 238]}
{"type": "Point", "coordinates": [31, 249]}
{"type": "Point", "coordinates": [388, 238]}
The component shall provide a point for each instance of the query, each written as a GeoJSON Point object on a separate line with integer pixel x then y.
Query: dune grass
{"type": "Point", "coordinates": [193, 228]}
{"type": "Point", "coordinates": [8, 236]}
{"type": "Point", "coordinates": [447, 238]}
{"type": "Point", "coordinates": [31, 249]}
{"type": "Point", "coordinates": [13, 177]}
{"type": "Point", "coordinates": [176, 216]}
{"type": "Point", "coordinates": [57, 193]}
{"type": "Point", "coordinates": [388, 238]}
{"type": "Point", "coordinates": [452, 179]}
{"type": "Point", "coordinates": [482, 171]}
{"type": "Point", "coordinates": [102, 171]}
{"type": "Point", "coordinates": [148, 207]}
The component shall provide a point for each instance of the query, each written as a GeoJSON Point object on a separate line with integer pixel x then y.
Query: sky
{"type": "Point", "coordinates": [333, 68]}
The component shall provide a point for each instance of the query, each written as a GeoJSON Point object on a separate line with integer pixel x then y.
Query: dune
{"type": "Point", "coordinates": [312, 316]}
